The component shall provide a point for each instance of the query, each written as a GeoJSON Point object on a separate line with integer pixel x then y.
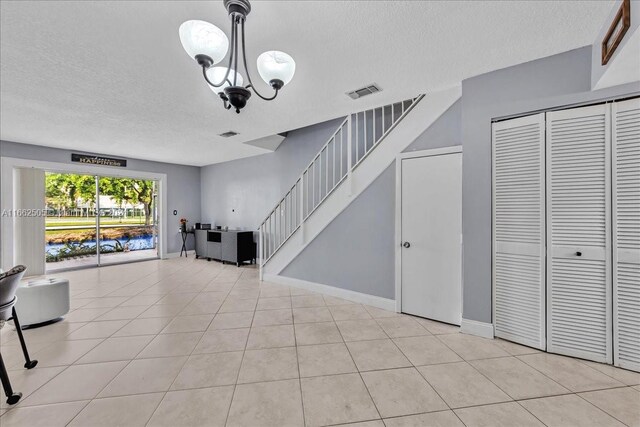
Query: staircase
{"type": "Point", "coordinates": [362, 147]}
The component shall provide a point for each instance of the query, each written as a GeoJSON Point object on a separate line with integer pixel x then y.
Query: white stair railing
{"type": "Point", "coordinates": [354, 139]}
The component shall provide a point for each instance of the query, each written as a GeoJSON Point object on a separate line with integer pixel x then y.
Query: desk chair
{"type": "Point", "coordinates": [9, 282]}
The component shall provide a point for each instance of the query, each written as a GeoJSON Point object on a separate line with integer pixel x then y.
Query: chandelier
{"type": "Point", "coordinates": [208, 45]}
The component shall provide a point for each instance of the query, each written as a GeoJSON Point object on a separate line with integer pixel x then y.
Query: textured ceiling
{"type": "Point", "coordinates": [111, 76]}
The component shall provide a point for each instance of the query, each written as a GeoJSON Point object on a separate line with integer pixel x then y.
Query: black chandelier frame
{"type": "Point", "coordinates": [234, 95]}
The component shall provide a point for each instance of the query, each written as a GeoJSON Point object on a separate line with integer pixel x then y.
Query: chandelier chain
{"type": "Point", "coordinates": [235, 47]}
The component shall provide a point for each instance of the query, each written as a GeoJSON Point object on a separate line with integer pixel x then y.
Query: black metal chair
{"type": "Point", "coordinates": [9, 282]}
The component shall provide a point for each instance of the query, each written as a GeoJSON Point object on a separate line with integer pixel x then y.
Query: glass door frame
{"type": "Point", "coordinates": [74, 213]}
{"type": "Point", "coordinates": [153, 207]}
{"type": "Point", "coordinates": [159, 183]}
{"type": "Point", "coordinates": [7, 202]}
{"type": "Point", "coordinates": [97, 180]}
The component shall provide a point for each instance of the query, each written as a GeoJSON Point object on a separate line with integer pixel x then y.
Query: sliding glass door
{"type": "Point", "coordinates": [98, 220]}
{"type": "Point", "coordinates": [71, 221]}
{"type": "Point", "coordinates": [127, 223]}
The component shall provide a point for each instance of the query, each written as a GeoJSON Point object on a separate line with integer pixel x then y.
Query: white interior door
{"type": "Point", "coordinates": [578, 233]}
{"type": "Point", "coordinates": [431, 229]}
{"type": "Point", "coordinates": [626, 233]}
{"type": "Point", "coordinates": [519, 230]}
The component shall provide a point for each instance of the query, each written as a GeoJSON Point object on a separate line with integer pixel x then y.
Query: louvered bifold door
{"type": "Point", "coordinates": [578, 233]}
{"type": "Point", "coordinates": [519, 230]}
{"type": "Point", "coordinates": [626, 233]}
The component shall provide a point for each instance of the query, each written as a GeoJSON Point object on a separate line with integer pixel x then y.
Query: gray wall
{"type": "Point", "coordinates": [356, 251]}
{"type": "Point", "coordinates": [241, 193]}
{"type": "Point", "coordinates": [555, 81]}
{"type": "Point", "coordinates": [183, 183]}
{"type": "Point", "coordinates": [444, 132]}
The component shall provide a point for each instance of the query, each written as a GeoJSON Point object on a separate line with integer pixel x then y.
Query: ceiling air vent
{"type": "Point", "coordinates": [367, 90]}
{"type": "Point", "coordinates": [228, 134]}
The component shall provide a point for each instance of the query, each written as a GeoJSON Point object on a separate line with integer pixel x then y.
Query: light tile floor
{"type": "Point", "coordinates": [195, 343]}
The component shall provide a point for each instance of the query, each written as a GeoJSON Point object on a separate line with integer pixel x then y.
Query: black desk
{"type": "Point", "coordinates": [184, 234]}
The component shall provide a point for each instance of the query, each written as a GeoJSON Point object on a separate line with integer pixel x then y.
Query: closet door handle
{"type": "Point", "coordinates": [578, 253]}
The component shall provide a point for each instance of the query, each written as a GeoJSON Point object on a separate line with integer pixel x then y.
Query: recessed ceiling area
{"type": "Point", "coordinates": [111, 77]}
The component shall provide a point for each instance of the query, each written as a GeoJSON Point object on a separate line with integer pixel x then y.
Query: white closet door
{"type": "Point", "coordinates": [626, 233]}
{"type": "Point", "coordinates": [519, 230]}
{"type": "Point", "coordinates": [578, 233]}
{"type": "Point", "coordinates": [431, 218]}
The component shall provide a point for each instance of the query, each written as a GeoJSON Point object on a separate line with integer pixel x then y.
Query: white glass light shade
{"type": "Point", "coordinates": [216, 74]}
{"type": "Point", "coordinates": [200, 37]}
{"type": "Point", "coordinates": [276, 65]}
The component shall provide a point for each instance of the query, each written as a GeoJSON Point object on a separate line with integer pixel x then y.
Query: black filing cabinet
{"type": "Point", "coordinates": [237, 246]}
{"type": "Point", "coordinates": [214, 245]}
{"type": "Point", "coordinates": [227, 246]}
{"type": "Point", "coordinates": [201, 243]}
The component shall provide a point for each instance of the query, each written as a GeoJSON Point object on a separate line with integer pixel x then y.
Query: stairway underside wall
{"type": "Point", "coordinates": [356, 249]}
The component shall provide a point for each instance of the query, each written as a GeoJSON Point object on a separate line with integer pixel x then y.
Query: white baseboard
{"type": "Point", "coordinates": [372, 300]}
{"type": "Point", "coordinates": [172, 255]}
{"type": "Point", "coordinates": [473, 327]}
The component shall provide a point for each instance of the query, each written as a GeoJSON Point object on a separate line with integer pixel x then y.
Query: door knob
{"type": "Point", "coordinates": [578, 253]}
{"type": "Point", "coordinates": [406, 244]}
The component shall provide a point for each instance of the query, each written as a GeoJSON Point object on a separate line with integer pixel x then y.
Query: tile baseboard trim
{"type": "Point", "coordinates": [172, 255]}
{"type": "Point", "coordinates": [358, 297]}
{"type": "Point", "coordinates": [473, 327]}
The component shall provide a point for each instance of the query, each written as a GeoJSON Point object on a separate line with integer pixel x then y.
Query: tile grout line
{"type": "Point", "coordinates": [513, 399]}
{"type": "Point", "coordinates": [94, 398]}
{"type": "Point", "coordinates": [295, 341]}
{"type": "Point", "coordinates": [54, 342]}
{"type": "Point", "coordinates": [557, 382]}
{"type": "Point", "coordinates": [91, 399]}
{"type": "Point", "coordinates": [529, 412]}
{"type": "Point", "coordinates": [599, 408]}
{"type": "Point", "coordinates": [358, 371]}
{"type": "Point", "coordinates": [427, 381]}
{"type": "Point", "coordinates": [66, 367]}
{"type": "Point", "coordinates": [604, 373]}
{"type": "Point", "coordinates": [181, 368]}
{"type": "Point", "coordinates": [246, 342]}
{"type": "Point", "coordinates": [257, 382]}
{"type": "Point", "coordinates": [130, 361]}
{"type": "Point", "coordinates": [417, 370]}
{"type": "Point", "coordinates": [227, 296]}
{"type": "Point", "coordinates": [488, 379]}
{"type": "Point", "coordinates": [424, 413]}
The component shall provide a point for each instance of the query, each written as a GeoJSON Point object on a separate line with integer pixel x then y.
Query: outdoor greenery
{"type": "Point", "coordinates": [71, 250]}
{"type": "Point", "coordinates": [126, 221]}
{"type": "Point", "coordinates": [69, 191]}
{"type": "Point", "coordinates": [89, 233]}
{"type": "Point", "coordinates": [52, 221]}
{"type": "Point", "coordinates": [84, 248]}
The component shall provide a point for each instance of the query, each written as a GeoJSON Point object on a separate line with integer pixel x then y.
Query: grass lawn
{"type": "Point", "coordinates": [78, 234]}
{"type": "Point", "coordinates": [91, 221]}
